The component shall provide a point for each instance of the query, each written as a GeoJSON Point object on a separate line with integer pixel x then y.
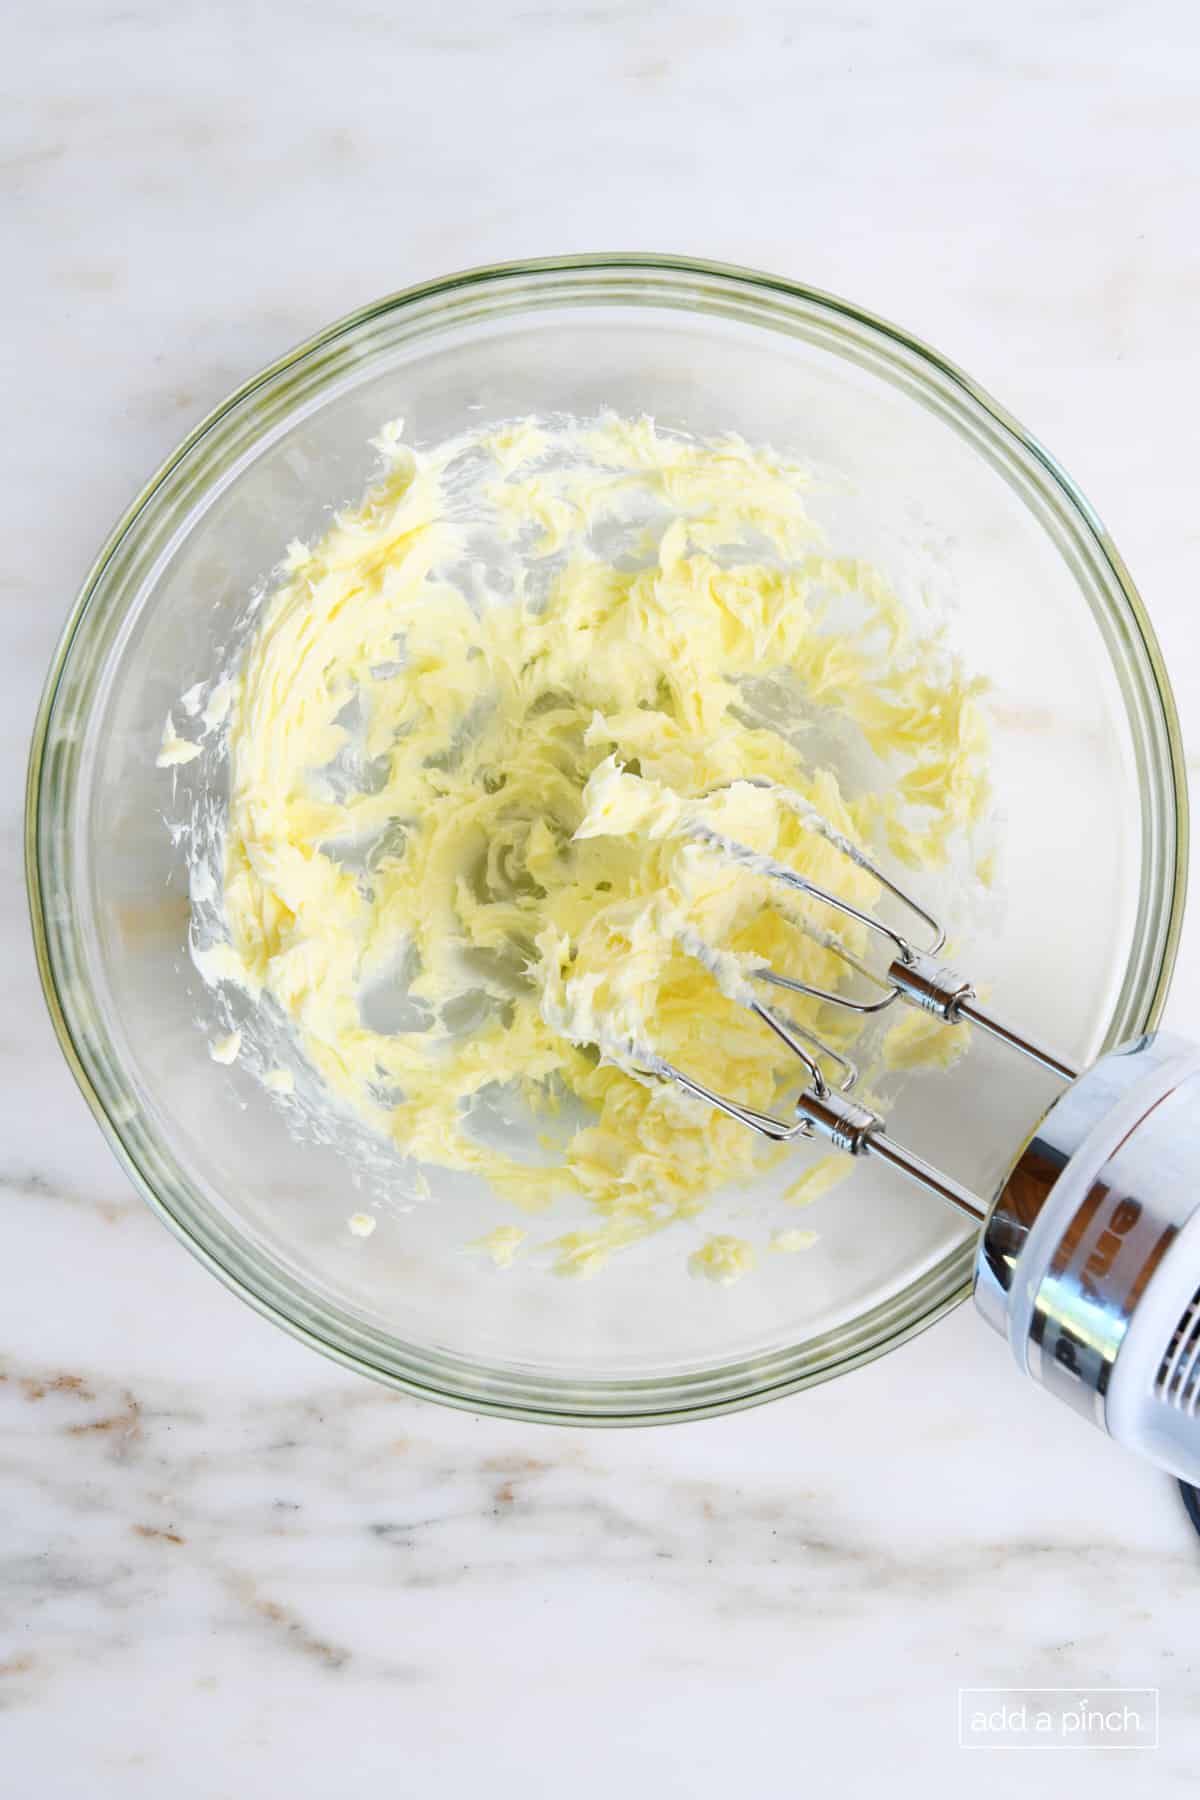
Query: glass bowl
{"type": "Point", "coordinates": [924, 473]}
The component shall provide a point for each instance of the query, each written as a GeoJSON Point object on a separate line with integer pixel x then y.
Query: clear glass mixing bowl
{"type": "Point", "coordinates": [927, 476]}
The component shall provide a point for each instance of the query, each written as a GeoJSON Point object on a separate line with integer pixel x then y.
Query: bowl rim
{"type": "Point", "coordinates": [485, 1399]}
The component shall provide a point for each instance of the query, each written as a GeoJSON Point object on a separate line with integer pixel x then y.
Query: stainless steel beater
{"type": "Point", "coordinates": [1089, 1256]}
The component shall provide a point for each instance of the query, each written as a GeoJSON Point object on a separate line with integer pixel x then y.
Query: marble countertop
{"type": "Point", "coordinates": [228, 1568]}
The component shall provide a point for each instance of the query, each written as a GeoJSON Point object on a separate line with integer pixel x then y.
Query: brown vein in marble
{"type": "Point", "coordinates": [282, 1619]}
{"type": "Point", "coordinates": [29, 1184]}
{"type": "Point", "coordinates": [260, 1499]}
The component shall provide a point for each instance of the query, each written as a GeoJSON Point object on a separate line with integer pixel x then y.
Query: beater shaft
{"type": "Point", "coordinates": [856, 1129]}
{"type": "Point", "coordinates": [936, 988]}
{"type": "Point", "coordinates": [933, 1180]}
{"type": "Point", "coordinates": [975, 1015]}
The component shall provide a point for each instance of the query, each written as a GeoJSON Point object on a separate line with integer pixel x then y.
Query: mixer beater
{"type": "Point", "coordinates": [1088, 1260]}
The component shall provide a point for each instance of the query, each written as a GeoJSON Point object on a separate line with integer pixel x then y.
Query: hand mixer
{"type": "Point", "coordinates": [1089, 1257]}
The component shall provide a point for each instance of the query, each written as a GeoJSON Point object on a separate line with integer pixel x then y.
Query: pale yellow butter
{"type": "Point", "coordinates": [723, 1259]}
{"type": "Point", "coordinates": [469, 796]}
{"type": "Point", "coordinates": [791, 1243]}
{"type": "Point", "coordinates": [174, 749]}
{"type": "Point", "coordinates": [502, 1245]}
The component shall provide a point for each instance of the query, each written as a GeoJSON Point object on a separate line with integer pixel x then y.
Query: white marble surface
{"type": "Point", "coordinates": [227, 1568]}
